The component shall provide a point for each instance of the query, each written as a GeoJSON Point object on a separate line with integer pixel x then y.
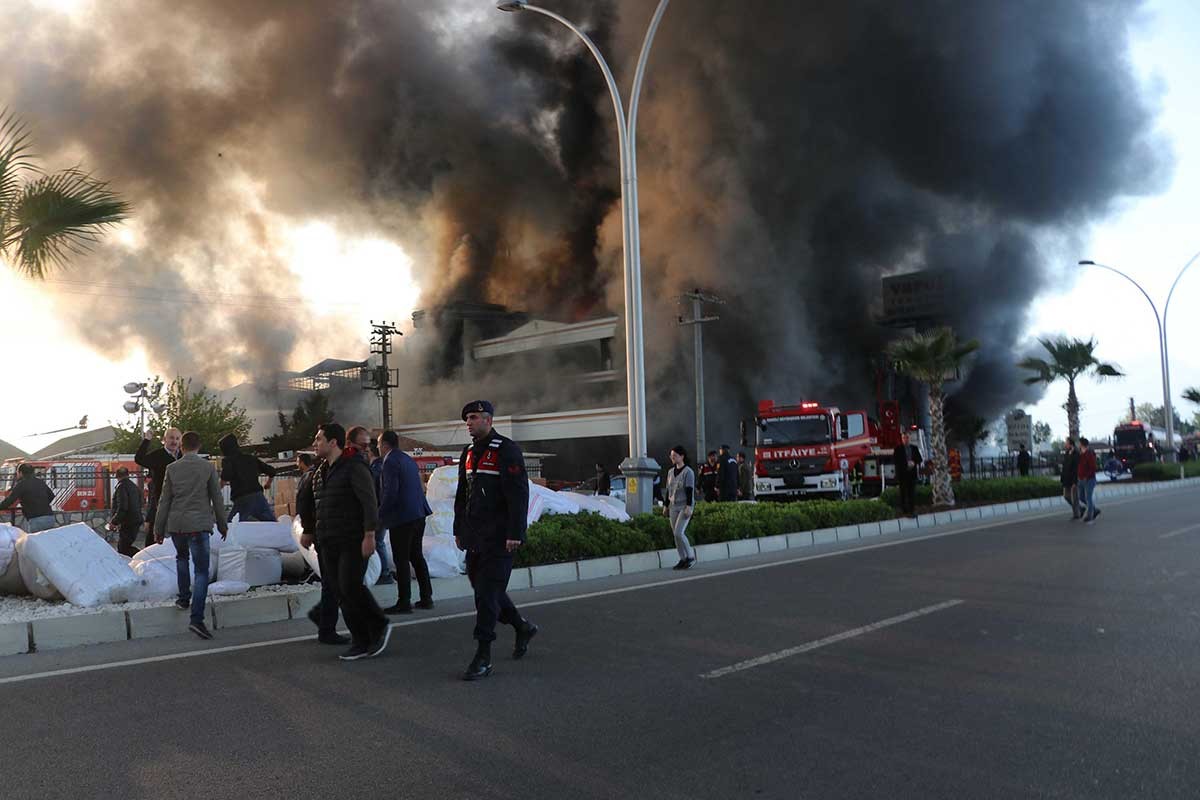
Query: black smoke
{"type": "Point", "coordinates": [790, 155]}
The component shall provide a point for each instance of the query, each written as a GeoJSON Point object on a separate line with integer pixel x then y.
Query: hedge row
{"type": "Point", "coordinates": [557, 538]}
{"type": "Point", "coordinates": [994, 490]}
{"type": "Point", "coordinates": [1165, 472]}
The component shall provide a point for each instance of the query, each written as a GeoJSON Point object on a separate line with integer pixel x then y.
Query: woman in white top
{"type": "Point", "coordinates": [681, 499]}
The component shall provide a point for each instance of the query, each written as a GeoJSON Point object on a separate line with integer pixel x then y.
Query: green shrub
{"type": "Point", "coordinates": [1165, 472]}
{"type": "Point", "coordinates": [570, 537]}
{"type": "Point", "coordinates": [657, 527]}
{"type": "Point", "coordinates": [984, 491]}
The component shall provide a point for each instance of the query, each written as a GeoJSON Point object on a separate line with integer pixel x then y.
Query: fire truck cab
{"type": "Point", "coordinates": [808, 449]}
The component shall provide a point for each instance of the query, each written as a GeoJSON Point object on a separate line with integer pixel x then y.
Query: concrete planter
{"type": "Point", "coordinates": [254, 611]}
{"type": "Point", "coordinates": [602, 567]}
{"type": "Point", "coordinates": [60, 632]}
{"type": "Point", "coordinates": [712, 552]}
{"type": "Point", "coordinates": [14, 638]}
{"type": "Point", "coordinates": [801, 539]}
{"type": "Point", "coordinates": [743, 547]}
{"type": "Point", "coordinates": [824, 536]}
{"type": "Point", "coordinates": [550, 574]}
{"type": "Point", "coordinates": [771, 544]}
{"type": "Point", "coordinates": [639, 562]}
{"type": "Point", "coordinates": [868, 529]}
{"type": "Point", "coordinates": [846, 533]}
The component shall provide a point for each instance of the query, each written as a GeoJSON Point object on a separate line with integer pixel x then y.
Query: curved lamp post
{"type": "Point", "coordinates": [639, 468]}
{"type": "Point", "coordinates": [1164, 366]}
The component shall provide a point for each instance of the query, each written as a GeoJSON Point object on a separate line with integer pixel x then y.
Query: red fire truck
{"type": "Point", "coordinates": [83, 483]}
{"type": "Point", "coordinates": [813, 450]}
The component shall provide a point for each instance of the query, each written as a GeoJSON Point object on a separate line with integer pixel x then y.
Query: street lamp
{"type": "Point", "coordinates": [639, 468]}
{"type": "Point", "coordinates": [1168, 412]}
{"type": "Point", "coordinates": [145, 395]}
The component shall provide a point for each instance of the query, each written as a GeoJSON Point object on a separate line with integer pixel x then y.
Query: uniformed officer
{"type": "Point", "coordinates": [490, 513]}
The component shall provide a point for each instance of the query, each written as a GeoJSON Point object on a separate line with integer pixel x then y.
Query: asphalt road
{"type": "Point", "coordinates": [1068, 670]}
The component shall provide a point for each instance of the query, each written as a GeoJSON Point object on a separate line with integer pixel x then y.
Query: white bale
{"type": "Point", "coordinates": [255, 566]}
{"type": "Point", "coordinates": [605, 506]}
{"type": "Point", "coordinates": [544, 501]}
{"type": "Point", "coordinates": [157, 579]}
{"type": "Point", "coordinates": [8, 545]}
{"type": "Point", "coordinates": [228, 587]}
{"type": "Point", "coordinates": [80, 565]}
{"type": "Point", "coordinates": [38, 584]}
{"type": "Point", "coordinates": [263, 535]}
{"type": "Point", "coordinates": [167, 550]}
{"type": "Point", "coordinates": [443, 484]}
{"type": "Point", "coordinates": [11, 581]}
{"type": "Point", "coordinates": [374, 567]}
{"type": "Point", "coordinates": [444, 558]}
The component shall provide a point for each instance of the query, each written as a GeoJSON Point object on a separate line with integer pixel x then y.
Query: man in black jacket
{"type": "Point", "coordinates": [1069, 478]}
{"type": "Point", "coordinates": [35, 498]}
{"type": "Point", "coordinates": [325, 613]}
{"type": "Point", "coordinates": [126, 512]}
{"type": "Point", "coordinates": [1023, 461]}
{"type": "Point", "coordinates": [907, 460]}
{"type": "Point", "coordinates": [727, 476]}
{"type": "Point", "coordinates": [157, 462]}
{"type": "Point", "coordinates": [491, 510]}
{"type": "Point", "coordinates": [241, 470]}
{"type": "Point", "coordinates": [344, 518]}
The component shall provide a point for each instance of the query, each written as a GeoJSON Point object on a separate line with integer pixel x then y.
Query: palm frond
{"type": "Point", "coordinates": [1192, 395]}
{"type": "Point", "coordinates": [15, 159]}
{"type": "Point", "coordinates": [56, 216]}
{"type": "Point", "coordinates": [1102, 371]}
{"type": "Point", "coordinates": [931, 356]}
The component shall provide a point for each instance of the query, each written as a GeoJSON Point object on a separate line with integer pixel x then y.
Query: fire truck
{"type": "Point", "coordinates": [1137, 443]}
{"type": "Point", "coordinates": [808, 449]}
{"type": "Point", "coordinates": [84, 483]}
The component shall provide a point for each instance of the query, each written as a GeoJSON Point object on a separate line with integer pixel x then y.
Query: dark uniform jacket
{"type": "Point", "coordinates": [34, 496]}
{"type": "Point", "coordinates": [727, 477]}
{"type": "Point", "coordinates": [157, 462]}
{"type": "Point", "coordinates": [492, 503]}
{"type": "Point", "coordinates": [907, 469]}
{"type": "Point", "coordinates": [127, 506]}
{"type": "Point", "coordinates": [708, 481]}
{"type": "Point", "coordinates": [342, 498]}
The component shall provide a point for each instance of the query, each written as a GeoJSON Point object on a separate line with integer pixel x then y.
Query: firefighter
{"type": "Point", "coordinates": [491, 509]}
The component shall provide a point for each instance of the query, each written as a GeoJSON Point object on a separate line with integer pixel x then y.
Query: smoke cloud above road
{"type": "Point", "coordinates": [790, 156]}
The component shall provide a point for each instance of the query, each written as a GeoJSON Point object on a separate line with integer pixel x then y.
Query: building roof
{"type": "Point", "coordinates": [332, 365]}
{"type": "Point", "coordinates": [11, 451]}
{"type": "Point", "coordinates": [84, 442]}
{"type": "Point", "coordinates": [540, 334]}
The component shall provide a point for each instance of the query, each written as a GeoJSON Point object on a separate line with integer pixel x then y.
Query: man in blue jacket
{"type": "Point", "coordinates": [402, 510]}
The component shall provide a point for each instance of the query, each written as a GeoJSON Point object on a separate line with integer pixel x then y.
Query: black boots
{"type": "Point", "coordinates": [526, 630]}
{"type": "Point", "coordinates": [481, 665]}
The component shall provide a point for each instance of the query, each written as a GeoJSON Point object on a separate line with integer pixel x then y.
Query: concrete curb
{"type": "Point", "coordinates": [110, 626]}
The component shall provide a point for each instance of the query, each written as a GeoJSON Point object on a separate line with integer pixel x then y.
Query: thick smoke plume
{"type": "Point", "coordinates": [790, 155]}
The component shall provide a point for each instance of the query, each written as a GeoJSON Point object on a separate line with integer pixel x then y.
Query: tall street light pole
{"type": "Point", "coordinates": [639, 468]}
{"type": "Point", "coordinates": [1166, 353]}
{"type": "Point", "coordinates": [1168, 412]}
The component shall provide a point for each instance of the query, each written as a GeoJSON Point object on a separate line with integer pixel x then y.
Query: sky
{"type": "Point", "coordinates": [55, 377]}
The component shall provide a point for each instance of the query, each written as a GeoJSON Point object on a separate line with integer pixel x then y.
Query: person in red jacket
{"type": "Point", "coordinates": [1087, 479]}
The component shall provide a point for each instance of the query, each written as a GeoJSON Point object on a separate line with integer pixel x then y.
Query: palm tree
{"type": "Point", "coordinates": [1070, 359]}
{"type": "Point", "coordinates": [47, 217]}
{"type": "Point", "coordinates": [931, 358]}
{"type": "Point", "coordinates": [1192, 395]}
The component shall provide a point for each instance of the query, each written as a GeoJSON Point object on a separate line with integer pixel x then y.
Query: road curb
{"type": "Point", "coordinates": [142, 623]}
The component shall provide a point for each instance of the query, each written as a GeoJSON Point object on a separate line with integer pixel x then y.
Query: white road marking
{"type": "Point", "coordinates": [779, 655]}
{"type": "Point", "coordinates": [1173, 534]}
{"type": "Point", "coordinates": [571, 598]}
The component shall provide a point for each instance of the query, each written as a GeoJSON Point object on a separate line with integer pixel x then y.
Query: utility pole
{"type": "Point", "coordinates": [1132, 411]}
{"type": "Point", "coordinates": [697, 322]}
{"type": "Point", "coordinates": [382, 379]}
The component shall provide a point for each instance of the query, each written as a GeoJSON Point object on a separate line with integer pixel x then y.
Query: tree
{"type": "Point", "coordinates": [297, 432]}
{"type": "Point", "coordinates": [47, 217]}
{"type": "Point", "coordinates": [1156, 417]}
{"type": "Point", "coordinates": [189, 410]}
{"type": "Point", "coordinates": [1041, 432]}
{"type": "Point", "coordinates": [1069, 359]}
{"type": "Point", "coordinates": [930, 358]}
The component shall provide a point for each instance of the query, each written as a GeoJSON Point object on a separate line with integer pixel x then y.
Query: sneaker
{"type": "Point", "coordinates": [385, 580]}
{"type": "Point", "coordinates": [380, 643]}
{"type": "Point", "coordinates": [691, 562]}
{"type": "Point", "coordinates": [355, 653]}
{"type": "Point", "coordinates": [1096, 514]}
{"type": "Point", "coordinates": [333, 638]}
{"type": "Point", "coordinates": [183, 605]}
{"type": "Point", "coordinates": [399, 608]}
{"type": "Point", "coordinates": [524, 634]}
{"type": "Point", "coordinates": [681, 565]}
{"type": "Point", "coordinates": [425, 604]}
{"type": "Point", "coordinates": [200, 630]}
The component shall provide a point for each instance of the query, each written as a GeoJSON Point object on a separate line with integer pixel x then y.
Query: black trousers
{"type": "Point", "coordinates": [908, 494]}
{"type": "Point", "coordinates": [327, 609]}
{"type": "Point", "coordinates": [345, 565]}
{"type": "Point", "coordinates": [406, 542]}
{"type": "Point", "coordinates": [125, 537]}
{"type": "Point", "coordinates": [489, 574]}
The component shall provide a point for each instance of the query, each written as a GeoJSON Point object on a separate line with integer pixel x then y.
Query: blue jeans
{"type": "Point", "coordinates": [197, 545]}
{"type": "Point", "coordinates": [1089, 494]}
{"type": "Point", "coordinates": [386, 565]}
{"type": "Point", "coordinates": [41, 524]}
{"type": "Point", "coordinates": [253, 508]}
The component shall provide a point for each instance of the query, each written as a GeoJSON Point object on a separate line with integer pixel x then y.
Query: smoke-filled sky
{"type": "Point", "coordinates": [299, 168]}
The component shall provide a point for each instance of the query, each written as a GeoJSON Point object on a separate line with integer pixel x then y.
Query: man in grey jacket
{"type": "Point", "coordinates": [190, 503]}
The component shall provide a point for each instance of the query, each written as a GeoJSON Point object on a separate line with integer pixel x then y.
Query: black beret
{"type": "Point", "coordinates": [478, 407]}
